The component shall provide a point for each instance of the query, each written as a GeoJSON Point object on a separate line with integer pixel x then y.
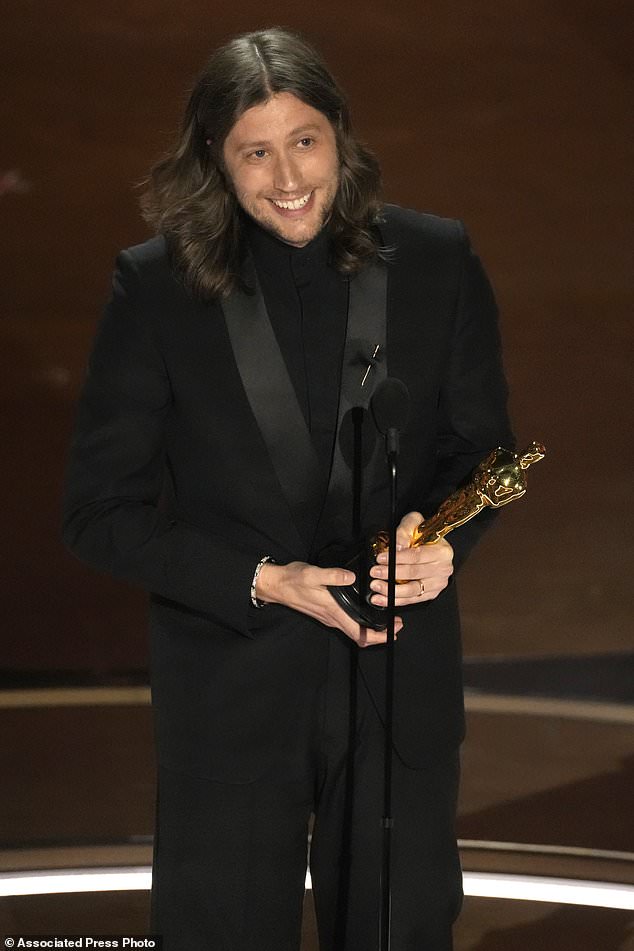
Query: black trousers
{"type": "Point", "coordinates": [230, 859]}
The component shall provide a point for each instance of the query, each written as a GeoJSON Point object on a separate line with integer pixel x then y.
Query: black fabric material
{"type": "Point", "coordinates": [362, 372]}
{"type": "Point", "coordinates": [171, 487]}
{"type": "Point", "coordinates": [307, 301]}
{"type": "Point", "coordinates": [230, 860]}
{"type": "Point", "coordinates": [274, 403]}
{"type": "Point", "coordinates": [331, 332]}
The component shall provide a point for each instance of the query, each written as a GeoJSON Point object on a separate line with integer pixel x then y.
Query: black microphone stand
{"type": "Point", "coordinates": [387, 822]}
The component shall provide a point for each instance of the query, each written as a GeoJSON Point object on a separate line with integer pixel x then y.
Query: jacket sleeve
{"type": "Point", "coordinates": [113, 518]}
{"type": "Point", "coordinates": [473, 398]}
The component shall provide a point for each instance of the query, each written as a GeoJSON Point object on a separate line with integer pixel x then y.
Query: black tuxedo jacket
{"type": "Point", "coordinates": [175, 484]}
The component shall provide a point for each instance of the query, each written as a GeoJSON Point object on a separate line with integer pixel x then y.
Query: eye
{"type": "Point", "coordinates": [258, 154]}
{"type": "Point", "coordinates": [306, 142]}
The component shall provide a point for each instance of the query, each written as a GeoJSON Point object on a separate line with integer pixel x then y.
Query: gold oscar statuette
{"type": "Point", "coordinates": [499, 479]}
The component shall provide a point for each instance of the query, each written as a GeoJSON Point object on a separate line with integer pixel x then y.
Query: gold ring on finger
{"type": "Point", "coordinates": [422, 588]}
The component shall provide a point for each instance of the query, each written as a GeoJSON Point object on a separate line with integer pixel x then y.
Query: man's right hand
{"type": "Point", "coordinates": [304, 588]}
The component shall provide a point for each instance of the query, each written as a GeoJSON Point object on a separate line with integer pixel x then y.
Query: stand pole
{"type": "Point", "coordinates": [385, 912]}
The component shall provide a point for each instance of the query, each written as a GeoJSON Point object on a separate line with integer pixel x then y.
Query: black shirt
{"type": "Point", "coordinates": [307, 302]}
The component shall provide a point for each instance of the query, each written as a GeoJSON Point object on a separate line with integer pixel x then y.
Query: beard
{"type": "Point", "coordinates": [294, 231]}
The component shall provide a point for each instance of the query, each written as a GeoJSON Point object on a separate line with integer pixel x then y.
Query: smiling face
{"type": "Point", "coordinates": [281, 158]}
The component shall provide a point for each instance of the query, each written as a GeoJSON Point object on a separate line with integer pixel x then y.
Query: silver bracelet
{"type": "Point", "coordinates": [256, 574]}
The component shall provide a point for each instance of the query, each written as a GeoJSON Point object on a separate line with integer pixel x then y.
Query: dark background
{"type": "Point", "coordinates": [509, 115]}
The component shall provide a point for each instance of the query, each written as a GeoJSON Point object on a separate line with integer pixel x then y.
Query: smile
{"type": "Point", "coordinates": [293, 205]}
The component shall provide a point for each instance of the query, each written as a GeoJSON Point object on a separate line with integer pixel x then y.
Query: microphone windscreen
{"type": "Point", "coordinates": [390, 405]}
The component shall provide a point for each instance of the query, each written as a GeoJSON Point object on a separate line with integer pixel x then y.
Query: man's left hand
{"type": "Point", "coordinates": [425, 570]}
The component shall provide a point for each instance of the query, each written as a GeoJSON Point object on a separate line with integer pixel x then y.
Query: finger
{"type": "Point", "coordinates": [363, 636]}
{"type": "Point", "coordinates": [405, 593]}
{"type": "Point", "coordinates": [439, 553]}
{"type": "Point", "coordinates": [341, 619]}
{"type": "Point", "coordinates": [333, 577]}
{"type": "Point", "coordinates": [431, 592]}
{"type": "Point", "coordinates": [407, 526]}
{"type": "Point", "coordinates": [414, 573]}
{"type": "Point", "coordinates": [425, 555]}
{"type": "Point", "coordinates": [412, 582]}
{"type": "Point", "coordinates": [367, 637]}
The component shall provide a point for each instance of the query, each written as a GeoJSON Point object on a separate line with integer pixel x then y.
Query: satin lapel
{"type": "Point", "coordinates": [364, 367]}
{"type": "Point", "coordinates": [273, 401]}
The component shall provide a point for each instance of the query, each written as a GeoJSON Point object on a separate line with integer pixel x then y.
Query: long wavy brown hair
{"type": "Point", "coordinates": [188, 197]}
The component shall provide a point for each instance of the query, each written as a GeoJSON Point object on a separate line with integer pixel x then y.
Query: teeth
{"type": "Point", "coordinates": [292, 205]}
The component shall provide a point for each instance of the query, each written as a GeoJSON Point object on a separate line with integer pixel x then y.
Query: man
{"type": "Point", "coordinates": [212, 465]}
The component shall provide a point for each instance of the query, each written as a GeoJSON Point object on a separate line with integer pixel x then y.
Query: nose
{"type": "Point", "coordinates": [286, 176]}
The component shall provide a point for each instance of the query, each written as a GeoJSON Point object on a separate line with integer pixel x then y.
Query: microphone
{"type": "Point", "coordinates": [390, 408]}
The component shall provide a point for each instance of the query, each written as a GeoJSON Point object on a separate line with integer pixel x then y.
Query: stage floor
{"type": "Point", "coordinates": [553, 775]}
{"type": "Point", "coordinates": [485, 924]}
